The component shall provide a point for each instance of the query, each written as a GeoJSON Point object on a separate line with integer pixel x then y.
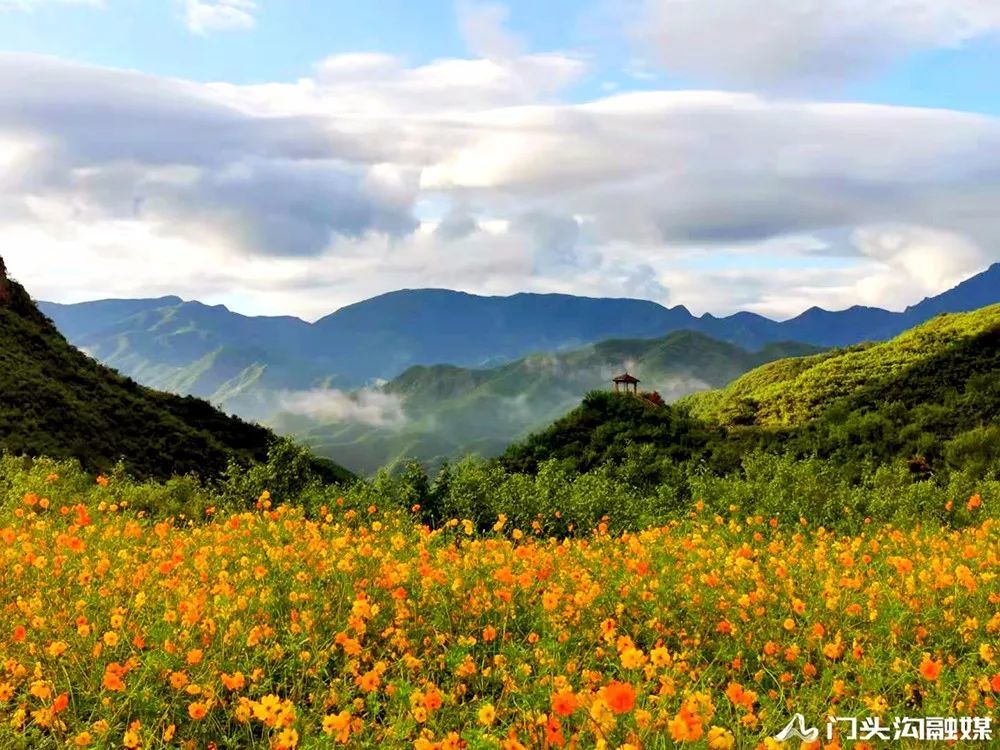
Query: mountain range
{"type": "Point", "coordinates": [437, 373]}
{"type": "Point", "coordinates": [213, 352]}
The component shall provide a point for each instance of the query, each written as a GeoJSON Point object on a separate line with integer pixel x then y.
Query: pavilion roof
{"type": "Point", "coordinates": [625, 378]}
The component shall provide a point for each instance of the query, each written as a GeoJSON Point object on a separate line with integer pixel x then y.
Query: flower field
{"type": "Point", "coordinates": [362, 628]}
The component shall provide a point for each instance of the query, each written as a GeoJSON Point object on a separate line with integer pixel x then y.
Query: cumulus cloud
{"type": "Point", "coordinates": [116, 145]}
{"type": "Point", "coordinates": [917, 262]}
{"type": "Point", "coordinates": [372, 175]}
{"type": "Point", "coordinates": [782, 42]}
{"type": "Point", "coordinates": [203, 16]}
{"type": "Point", "coordinates": [675, 172]}
{"type": "Point", "coordinates": [366, 406]}
{"type": "Point", "coordinates": [375, 84]}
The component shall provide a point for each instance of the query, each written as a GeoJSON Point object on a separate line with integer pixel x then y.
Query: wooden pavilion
{"type": "Point", "coordinates": [626, 382]}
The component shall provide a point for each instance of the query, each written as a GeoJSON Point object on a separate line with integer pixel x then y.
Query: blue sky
{"type": "Point", "coordinates": [289, 36]}
{"type": "Point", "coordinates": [296, 155]}
{"type": "Point", "coordinates": [965, 78]}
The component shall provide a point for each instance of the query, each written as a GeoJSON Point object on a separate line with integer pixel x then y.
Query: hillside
{"type": "Point", "coordinates": [929, 399]}
{"type": "Point", "coordinates": [57, 401]}
{"type": "Point", "coordinates": [602, 429]}
{"type": "Point", "coordinates": [915, 367]}
{"type": "Point", "coordinates": [240, 362]}
{"type": "Point", "coordinates": [445, 411]}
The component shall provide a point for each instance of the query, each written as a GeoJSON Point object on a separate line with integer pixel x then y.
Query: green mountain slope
{"type": "Point", "coordinates": [445, 412]}
{"type": "Point", "coordinates": [915, 367]}
{"type": "Point", "coordinates": [57, 401]}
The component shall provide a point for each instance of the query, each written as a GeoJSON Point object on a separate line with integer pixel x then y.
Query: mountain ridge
{"type": "Point", "coordinates": [984, 280]}
{"type": "Point", "coordinates": [241, 362]}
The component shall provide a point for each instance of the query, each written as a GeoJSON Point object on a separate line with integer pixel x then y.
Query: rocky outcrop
{"type": "Point", "coordinates": [5, 294]}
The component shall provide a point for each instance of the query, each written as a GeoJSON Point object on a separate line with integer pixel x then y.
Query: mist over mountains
{"type": "Point", "coordinates": [433, 413]}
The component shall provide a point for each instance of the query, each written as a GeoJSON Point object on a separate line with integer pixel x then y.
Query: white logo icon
{"type": "Point", "coordinates": [797, 728]}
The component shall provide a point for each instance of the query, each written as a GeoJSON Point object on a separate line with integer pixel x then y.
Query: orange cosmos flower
{"type": "Point", "coordinates": [833, 651]}
{"type": "Point", "coordinates": [929, 669]}
{"type": "Point", "coordinates": [620, 697]}
{"type": "Point", "coordinates": [338, 724]}
{"type": "Point", "coordinates": [369, 681]}
{"type": "Point", "coordinates": [553, 733]}
{"type": "Point", "coordinates": [287, 739]}
{"type": "Point", "coordinates": [432, 701]}
{"type": "Point", "coordinates": [197, 710]}
{"type": "Point", "coordinates": [564, 703]}
{"type": "Point", "coordinates": [685, 726]}
{"type": "Point", "coordinates": [131, 738]}
{"type": "Point", "coordinates": [720, 739]}
{"type": "Point", "coordinates": [113, 677]}
{"type": "Point", "coordinates": [178, 680]}
{"type": "Point", "coordinates": [61, 703]}
{"type": "Point", "coordinates": [740, 697]}
{"type": "Point", "coordinates": [234, 681]}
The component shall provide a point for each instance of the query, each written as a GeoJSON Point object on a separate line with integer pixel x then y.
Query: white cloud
{"type": "Point", "coordinates": [115, 145]}
{"type": "Point", "coordinates": [482, 25]}
{"type": "Point", "coordinates": [203, 16]}
{"type": "Point", "coordinates": [366, 406]}
{"type": "Point", "coordinates": [916, 261]}
{"type": "Point", "coordinates": [783, 42]}
{"type": "Point", "coordinates": [373, 175]}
